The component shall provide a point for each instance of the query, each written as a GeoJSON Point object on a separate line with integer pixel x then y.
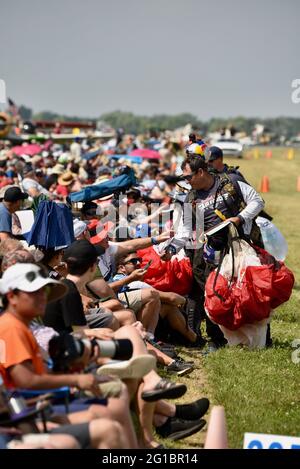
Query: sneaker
{"type": "Point", "coordinates": [170, 352]}
{"type": "Point", "coordinates": [181, 360]}
{"type": "Point", "coordinates": [177, 429]}
{"type": "Point", "coordinates": [180, 367]}
{"type": "Point", "coordinates": [193, 411]}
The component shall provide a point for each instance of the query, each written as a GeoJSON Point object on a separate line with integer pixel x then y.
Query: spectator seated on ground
{"type": "Point", "coordinates": [68, 314]}
{"type": "Point", "coordinates": [129, 272]}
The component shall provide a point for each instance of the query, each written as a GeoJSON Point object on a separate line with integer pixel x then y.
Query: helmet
{"type": "Point", "coordinates": [199, 149]}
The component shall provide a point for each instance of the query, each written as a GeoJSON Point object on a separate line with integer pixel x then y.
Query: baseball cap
{"type": "Point", "coordinates": [82, 251]}
{"type": "Point", "coordinates": [100, 231]}
{"type": "Point", "coordinates": [79, 227]}
{"type": "Point", "coordinates": [12, 194]}
{"type": "Point", "coordinates": [30, 278]}
{"type": "Point", "coordinates": [215, 153]}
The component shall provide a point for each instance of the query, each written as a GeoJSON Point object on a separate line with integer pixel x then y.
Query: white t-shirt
{"type": "Point", "coordinates": [107, 264]}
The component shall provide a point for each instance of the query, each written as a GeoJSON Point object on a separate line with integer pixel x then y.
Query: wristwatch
{"type": "Point", "coordinates": [154, 240]}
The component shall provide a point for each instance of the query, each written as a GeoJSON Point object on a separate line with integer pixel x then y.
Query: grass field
{"type": "Point", "coordinates": [260, 389]}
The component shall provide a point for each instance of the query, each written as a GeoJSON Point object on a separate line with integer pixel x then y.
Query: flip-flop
{"type": "Point", "coordinates": [135, 368]}
{"type": "Point", "coordinates": [164, 389]}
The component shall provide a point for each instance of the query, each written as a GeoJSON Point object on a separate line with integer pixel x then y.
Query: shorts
{"type": "Point", "coordinates": [99, 317]}
{"type": "Point", "coordinates": [133, 299]}
{"type": "Point", "coordinates": [80, 431]}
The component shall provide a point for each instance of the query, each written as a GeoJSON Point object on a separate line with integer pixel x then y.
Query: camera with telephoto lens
{"type": "Point", "coordinates": [65, 349]}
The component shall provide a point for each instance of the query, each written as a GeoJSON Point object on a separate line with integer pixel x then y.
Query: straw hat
{"type": "Point", "coordinates": [66, 178]}
{"type": "Point", "coordinates": [58, 169]}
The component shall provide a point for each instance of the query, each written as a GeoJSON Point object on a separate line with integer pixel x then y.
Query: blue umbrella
{"type": "Point", "coordinates": [53, 226]}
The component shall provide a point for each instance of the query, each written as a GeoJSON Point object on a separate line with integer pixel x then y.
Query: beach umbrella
{"type": "Point", "coordinates": [146, 154]}
{"type": "Point", "coordinates": [31, 149]}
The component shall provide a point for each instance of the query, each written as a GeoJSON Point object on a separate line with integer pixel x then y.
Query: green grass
{"type": "Point", "coordinates": [260, 389]}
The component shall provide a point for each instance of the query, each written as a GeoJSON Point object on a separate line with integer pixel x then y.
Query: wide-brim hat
{"type": "Point", "coordinates": [66, 178]}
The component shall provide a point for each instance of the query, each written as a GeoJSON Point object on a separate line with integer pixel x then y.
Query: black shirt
{"type": "Point", "coordinates": [67, 311]}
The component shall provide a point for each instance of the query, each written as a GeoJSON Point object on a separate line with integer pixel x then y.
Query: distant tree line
{"type": "Point", "coordinates": [132, 123]}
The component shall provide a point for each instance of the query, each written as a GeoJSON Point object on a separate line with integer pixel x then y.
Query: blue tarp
{"type": "Point", "coordinates": [119, 183]}
{"type": "Point", "coordinates": [52, 227]}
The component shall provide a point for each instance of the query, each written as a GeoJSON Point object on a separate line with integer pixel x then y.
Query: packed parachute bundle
{"type": "Point", "coordinates": [246, 287]}
{"type": "Point", "coordinates": [174, 275]}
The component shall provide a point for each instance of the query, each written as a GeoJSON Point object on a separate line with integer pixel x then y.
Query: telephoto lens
{"type": "Point", "coordinates": [65, 350]}
{"type": "Point", "coordinates": [120, 349]}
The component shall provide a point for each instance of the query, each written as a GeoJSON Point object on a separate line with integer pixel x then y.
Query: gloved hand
{"type": "Point", "coordinates": [210, 255]}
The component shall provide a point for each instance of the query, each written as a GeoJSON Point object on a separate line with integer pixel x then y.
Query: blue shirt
{"type": "Point", "coordinates": [120, 276]}
{"type": "Point", "coordinates": [5, 219]}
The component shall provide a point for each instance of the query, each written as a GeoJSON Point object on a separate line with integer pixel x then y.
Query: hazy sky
{"type": "Point", "coordinates": [208, 57]}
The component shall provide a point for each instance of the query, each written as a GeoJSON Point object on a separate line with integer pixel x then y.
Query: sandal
{"type": "Point", "coordinates": [164, 389]}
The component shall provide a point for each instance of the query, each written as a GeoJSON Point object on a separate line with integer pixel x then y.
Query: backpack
{"type": "Point", "coordinates": [226, 185]}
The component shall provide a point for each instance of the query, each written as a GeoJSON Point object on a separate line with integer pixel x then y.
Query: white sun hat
{"type": "Point", "coordinates": [30, 278]}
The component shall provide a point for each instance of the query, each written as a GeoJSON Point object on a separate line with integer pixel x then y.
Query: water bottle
{"type": "Point", "coordinates": [274, 241]}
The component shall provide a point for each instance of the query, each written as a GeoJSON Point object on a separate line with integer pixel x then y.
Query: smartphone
{"type": "Point", "coordinates": [147, 265]}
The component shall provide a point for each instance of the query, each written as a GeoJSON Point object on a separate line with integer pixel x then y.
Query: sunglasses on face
{"type": "Point", "coordinates": [188, 177]}
{"type": "Point", "coordinates": [134, 261]}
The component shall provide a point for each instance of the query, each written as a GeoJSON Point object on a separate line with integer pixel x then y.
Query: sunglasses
{"type": "Point", "coordinates": [134, 261]}
{"type": "Point", "coordinates": [188, 177]}
{"type": "Point", "coordinates": [31, 276]}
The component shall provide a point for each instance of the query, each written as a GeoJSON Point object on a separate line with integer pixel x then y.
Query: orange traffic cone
{"type": "Point", "coordinates": [298, 184]}
{"type": "Point", "coordinates": [216, 437]}
{"type": "Point", "coordinates": [265, 184]}
{"type": "Point", "coordinates": [268, 154]}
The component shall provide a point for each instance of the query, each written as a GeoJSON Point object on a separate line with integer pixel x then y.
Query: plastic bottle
{"type": "Point", "coordinates": [274, 241]}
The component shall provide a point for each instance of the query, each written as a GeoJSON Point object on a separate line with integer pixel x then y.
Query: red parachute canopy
{"type": "Point", "coordinates": [250, 298]}
{"type": "Point", "coordinates": [174, 275]}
